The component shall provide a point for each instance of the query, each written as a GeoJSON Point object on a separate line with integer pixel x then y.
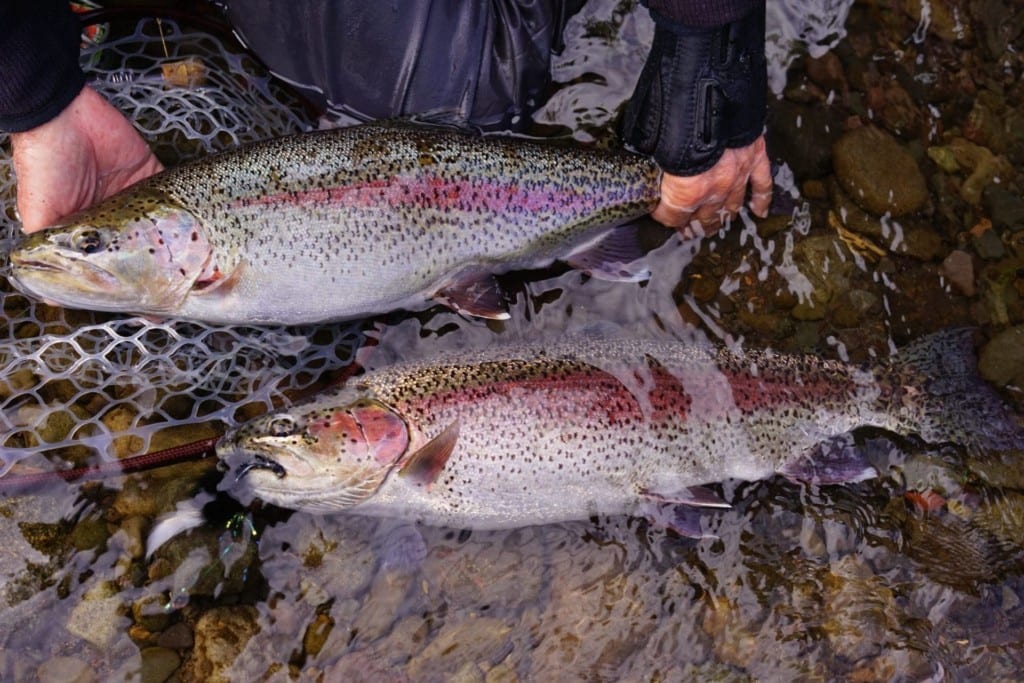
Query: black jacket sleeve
{"type": "Point", "coordinates": [703, 88]}
{"type": "Point", "coordinates": [39, 71]}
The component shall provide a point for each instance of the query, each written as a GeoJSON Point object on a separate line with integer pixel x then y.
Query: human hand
{"type": "Point", "coordinates": [85, 154]}
{"type": "Point", "coordinates": [700, 204]}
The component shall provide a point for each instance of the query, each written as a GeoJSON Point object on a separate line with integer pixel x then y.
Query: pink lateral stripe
{"type": "Point", "coordinates": [766, 391]}
{"type": "Point", "coordinates": [611, 400]}
{"type": "Point", "coordinates": [436, 193]}
{"type": "Point", "coordinates": [605, 397]}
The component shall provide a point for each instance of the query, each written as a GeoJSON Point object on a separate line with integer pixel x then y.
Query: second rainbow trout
{"type": "Point", "coordinates": [530, 435]}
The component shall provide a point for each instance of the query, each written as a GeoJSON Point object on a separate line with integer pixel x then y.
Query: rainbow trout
{"type": "Point", "coordinates": [345, 223]}
{"type": "Point", "coordinates": [523, 436]}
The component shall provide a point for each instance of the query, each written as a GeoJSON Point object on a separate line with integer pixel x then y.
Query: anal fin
{"type": "Point", "coordinates": [681, 511]}
{"type": "Point", "coordinates": [693, 496]}
{"type": "Point", "coordinates": [684, 520]}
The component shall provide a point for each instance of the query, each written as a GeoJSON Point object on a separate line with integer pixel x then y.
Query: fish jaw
{"type": "Point", "coordinates": [124, 255]}
{"type": "Point", "coordinates": [40, 272]}
{"type": "Point", "coordinates": [317, 459]}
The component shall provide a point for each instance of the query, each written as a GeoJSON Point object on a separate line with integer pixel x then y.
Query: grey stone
{"type": "Point", "coordinates": [1005, 208]}
{"type": "Point", "coordinates": [1001, 360]}
{"type": "Point", "coordinates": [989, 246]}
{"type": "Point", "coordinates": [176, 637]}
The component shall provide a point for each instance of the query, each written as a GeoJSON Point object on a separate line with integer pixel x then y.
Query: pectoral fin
{"type": "Point", "coordinates": [423, 466]}
{"type": "Point", "coordinates": [475, 292]}
{"type": "Point", "coordinates": [615, 256]}
{"type": "Point", "coordinates": [217, 284]}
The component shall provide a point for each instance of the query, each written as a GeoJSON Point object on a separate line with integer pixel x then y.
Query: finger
{"type": "Point", "coordinates": [734, 202]}
{"type": "Point", "coordinates": [710, 217]}
{"type": "Point", "coordinates": [670, 215]}
{"type": "Point", "coordinates": [761, 186]}
{"type": "Point", "coordinates": [34, 214]}
{"type": "Point", "coordinates": [693, 230]}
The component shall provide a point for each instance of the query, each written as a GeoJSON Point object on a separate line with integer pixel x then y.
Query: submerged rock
{"type": "Point", "coordinates": [1001, 360]}
{"type": "Point", "coordinates": [65, 670]}
{"type": "Point", "coordinates": [151, 665]}
{"type": "Point", "coordinates": [878, 173]}
{"type": "Point", "coordinates": [100, 617]}
{"type": "Point", "coordinates": [827, 264]}
{"type": "Point", "coordinates": [1005, 208]}
{"type": "Point", "coordinates": [220, 636]}
{"type": "Point", "coordinates": [958, 268]}
{"type": "Point", "coordinates": [978, 163]}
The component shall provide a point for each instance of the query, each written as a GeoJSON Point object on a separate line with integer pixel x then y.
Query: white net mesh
{"type": "Point", "coordinates": [74, 384]}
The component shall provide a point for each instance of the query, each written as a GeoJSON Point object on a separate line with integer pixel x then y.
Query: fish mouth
{"type": "Point", "coordinates": [32, 264]}
{"type": "Point", "coordinates": [260, 462]}
{"type": "Point", "coordinates": [26, 267]}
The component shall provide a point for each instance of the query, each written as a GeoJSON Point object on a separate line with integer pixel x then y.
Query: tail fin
{"type": "Point", "coordinates": [949, 399]}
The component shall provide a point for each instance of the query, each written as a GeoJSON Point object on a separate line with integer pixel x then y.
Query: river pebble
{"type": "Point", "coordinates": [857, 607]}
{"type": "Point", "coordinates": [1001, 360]}
{"type": "Point", "coordinates": [99, 617]}
{"type": "Point", "coordinates": [176, 637]}
{"type": "Point", "coordinates": [827, 264]}
{"type": "Point", "coordinates": [1005, 208]}
{"type": "Point", "coordinates": [878, 173]}
{"type": "Point", "coordinates": [958, 268]}
{"type": "Point", "coordinates": [221, 634]}
{"type": "Point", "coordinates": [150, 665]}
{"type": "Point", "coordinates": [65, 670]}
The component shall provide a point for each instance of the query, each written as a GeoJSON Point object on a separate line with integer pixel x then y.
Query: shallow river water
{"type": "Point", "coordinates": [913, 575]}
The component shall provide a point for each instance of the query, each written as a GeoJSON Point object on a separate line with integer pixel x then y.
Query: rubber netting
{"type": "Point", "coordinates": [75, 385]}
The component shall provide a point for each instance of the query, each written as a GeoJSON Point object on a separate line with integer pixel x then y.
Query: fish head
{"type": "Point", "coordinates": [325, 457]}
{"type": "Point", "coordinates": [139, 252]}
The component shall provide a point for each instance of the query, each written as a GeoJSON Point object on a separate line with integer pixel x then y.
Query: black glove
{"type": "Point", "coordinates": [702, 90]}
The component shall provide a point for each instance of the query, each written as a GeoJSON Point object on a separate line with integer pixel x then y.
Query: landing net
{"type": "Point", "coordinates": [75, 385]}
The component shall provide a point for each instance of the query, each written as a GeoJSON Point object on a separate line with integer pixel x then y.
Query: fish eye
{"type": "Point", "coordinates": [88, 241]}
{"type": "Point", "coordinates": [282, 425]}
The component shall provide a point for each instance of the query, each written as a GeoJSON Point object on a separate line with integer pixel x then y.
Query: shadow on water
{"type": "Point", "coordinates": [913, 575]}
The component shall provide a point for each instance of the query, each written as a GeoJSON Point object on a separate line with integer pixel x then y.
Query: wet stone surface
{"type": "Point", "coordinates": [878, 173]}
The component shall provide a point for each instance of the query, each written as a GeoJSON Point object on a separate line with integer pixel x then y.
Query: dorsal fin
{"type": "Point", "coordinates": [426, 464]}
